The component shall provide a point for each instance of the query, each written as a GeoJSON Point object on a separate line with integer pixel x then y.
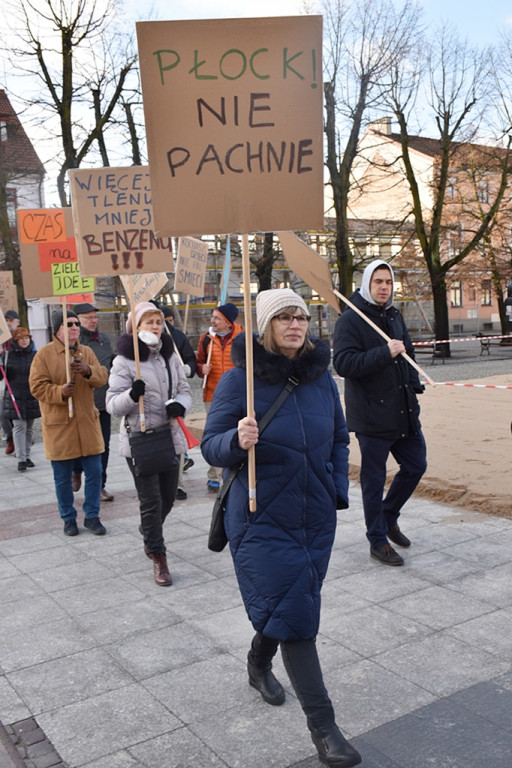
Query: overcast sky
{"type": "Point", "coordinates": [480, 20]}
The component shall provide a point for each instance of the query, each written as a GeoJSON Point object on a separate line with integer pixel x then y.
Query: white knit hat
{"type": "Point", "coordinates": [270, 303]}
{"type": "Point", "coordinates": [144, 307]}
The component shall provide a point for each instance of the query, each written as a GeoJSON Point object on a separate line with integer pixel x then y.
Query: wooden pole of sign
{"type": "Point", "coordinates": [384, 335]}
{"type": "Point", "coordinates": [136, 352]}
{"type": "Point", "coordinates": [246, 276]}
{"type": "Point", "coordinates": [66, 350]}
{"type": "Point", "coordinates": [185, 321]}
{"type": "Point", "coordinates": [211, 334]}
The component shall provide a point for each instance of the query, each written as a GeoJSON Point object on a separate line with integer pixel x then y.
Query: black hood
{"type": "Point", "coordinates": [276, 368]}
{"type": "Point", "coordinates": [125, 347]}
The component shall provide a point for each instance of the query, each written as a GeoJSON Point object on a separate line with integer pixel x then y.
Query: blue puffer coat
{"type": "Point", "coordinates": [281, 551]}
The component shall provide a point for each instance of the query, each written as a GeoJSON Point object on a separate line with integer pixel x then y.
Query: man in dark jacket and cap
{"type": "Point", "coordinates": [381, 406]}
{"type": "Point", "coordinates": [100, 344]}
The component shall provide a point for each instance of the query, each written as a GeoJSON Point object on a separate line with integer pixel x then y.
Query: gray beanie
{"type": "Point", "coordinates": [270, 303]}
{"type": "Point", "coordinates": [57, 317]}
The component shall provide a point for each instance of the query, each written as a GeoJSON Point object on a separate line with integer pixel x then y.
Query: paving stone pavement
{"type": "Point", "coordinates": [101, 668]}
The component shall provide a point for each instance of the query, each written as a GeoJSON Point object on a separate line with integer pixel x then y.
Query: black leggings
{"type": "Point", "coordinates": [303, 667]}
{"type": "Point", "coordinates": [156, 494]}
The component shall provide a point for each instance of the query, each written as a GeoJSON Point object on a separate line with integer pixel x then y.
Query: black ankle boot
{"type": "Point", "coordinates": [266, 683]}
{"type": "Point", "coordinates": [333, 748]}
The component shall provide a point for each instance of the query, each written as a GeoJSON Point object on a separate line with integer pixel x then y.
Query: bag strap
{"type": "Point", "coordinates": [262, 424]}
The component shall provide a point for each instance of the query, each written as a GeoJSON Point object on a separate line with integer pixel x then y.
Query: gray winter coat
{"type": "Point", "coordinates": [154, 373]}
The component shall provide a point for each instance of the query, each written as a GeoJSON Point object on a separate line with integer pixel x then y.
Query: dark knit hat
{"type": "Point", "coordinates": [168, 311]}
{"type": "Point", "coordinates": [11, 314]}
{"type": "Point", "coordinates": [83, 309]}
{"type": "Point", "coordinates": [57, 317]}
{"type": "Point", "coordinates": [228, 311]}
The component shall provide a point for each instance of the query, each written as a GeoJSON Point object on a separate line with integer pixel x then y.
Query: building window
{"type": "Point", "coordinates": [10, 199]}
{"type": "Point", "coordinates": [483, 191]}
{"type": "Point", "coordinates": [3, 130]}
{"type": "Point", "coordinates": [456, 294]}
{"type": "Point", "coordinates": [486, 294]}
{"type": "Point", "coordinates": [451, 188]}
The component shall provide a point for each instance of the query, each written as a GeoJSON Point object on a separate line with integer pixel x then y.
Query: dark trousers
{"type": "Point", "coordinates": [302, 665]}
{"type": "Point", "coordinates": [105, 421]}
{"type": "Point", "coordinates": [411, 455]}
{"type": "Point", "coordinates": [156, 494]}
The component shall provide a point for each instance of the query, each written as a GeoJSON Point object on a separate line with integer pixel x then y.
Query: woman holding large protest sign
{"type": "Point", "coordinates": [281, 551]}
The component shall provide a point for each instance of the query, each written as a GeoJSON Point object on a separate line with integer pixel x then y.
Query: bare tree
{"type": "Point", "coordinates": [457, 80]}
{"type": "Point", "coordinates": [365, 43]}
{"type": "Point", "coordinates": [83, 61]}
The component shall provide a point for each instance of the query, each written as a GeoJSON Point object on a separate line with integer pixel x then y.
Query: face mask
{"type": "Point", "coordinates": [148, 338]}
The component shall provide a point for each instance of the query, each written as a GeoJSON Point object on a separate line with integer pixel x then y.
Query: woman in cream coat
{"type": "Point", "coordinates": [166, 395]}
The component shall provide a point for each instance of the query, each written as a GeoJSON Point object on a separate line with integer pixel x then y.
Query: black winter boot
{"type": "Point", "coordinates": [333, 748]}
{"type": "Point", "coordinates": [259, 668]}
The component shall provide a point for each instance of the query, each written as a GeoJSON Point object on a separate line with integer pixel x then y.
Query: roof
{"type": "Point", "coordinates": [467, 151]}
{"type": "Point", "coordinates": [18, 155]}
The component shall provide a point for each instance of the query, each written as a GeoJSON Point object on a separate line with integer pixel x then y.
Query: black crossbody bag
{"type": "Point", "coordinates": [153, 450]}
{"type": "Point", "coordinates": [217, 538]}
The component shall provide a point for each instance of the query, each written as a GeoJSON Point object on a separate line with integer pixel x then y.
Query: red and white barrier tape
{"type": "Point", "coordinates": [466, 384]}
{"type": "Point", "coordinates": [449, 341]}
{"type": "Point", "coordinates": [457, 384]}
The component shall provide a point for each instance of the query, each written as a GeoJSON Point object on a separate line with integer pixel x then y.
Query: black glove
{"type": "Point", "coordinates": [138, 389]}
{"type": "Point", "coordinates": [174, 410]}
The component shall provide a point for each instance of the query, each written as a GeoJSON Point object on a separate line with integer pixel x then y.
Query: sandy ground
{"type": "Point", "coordinates": [469, 444]}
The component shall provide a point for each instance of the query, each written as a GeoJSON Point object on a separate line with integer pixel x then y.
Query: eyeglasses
{"type": "Point", "coordinates": [70, 325]}
{"type": "Point", "coordinates": [288, 319]}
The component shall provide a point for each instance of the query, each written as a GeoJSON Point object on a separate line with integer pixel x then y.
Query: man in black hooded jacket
{"type": "Point", "coordinates": [381, 406]}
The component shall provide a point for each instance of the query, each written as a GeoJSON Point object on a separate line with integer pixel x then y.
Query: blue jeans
{"type": "Point", "coordinates": [105, 421]}
{"type": "Point", "coordinates": [62, 478]}
{"type": "Point", "coordinates": [381, 514]}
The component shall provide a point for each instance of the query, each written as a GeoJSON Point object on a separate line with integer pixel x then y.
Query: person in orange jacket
{"type": "Point", "coordinates": [214, 359]}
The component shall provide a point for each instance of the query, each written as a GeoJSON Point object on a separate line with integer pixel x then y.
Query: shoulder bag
{"type": "Point", "coordinates": [153, 450]}
{"type": "Point", "coordinates": [217, 538]}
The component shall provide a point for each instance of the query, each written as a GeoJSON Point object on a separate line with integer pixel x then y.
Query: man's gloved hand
{"type": "Point", "coordinates": [174, 410]}
{"type": "Point", "coordinates": [138, 389]}
{"type": "Point", "coordinates": [78, 366]}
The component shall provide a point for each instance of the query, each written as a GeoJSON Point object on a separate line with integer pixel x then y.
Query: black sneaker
{"type": "Point", "coordinates": [30, 463]}
{"type": "Point", "coordinates": [188, 463]}
{"type": "Point", "coordinates": [386, 555]}
{"type": "Point", "coordinates": [22, 466]}
{"type": "Point", "coordinates": [93, 524]}
{"type": "Point", "coordinates": [70, 528]}
{"type": "Point", "coordinates": [181, 495]}
{"type": "Point", "coordinates": [397, 537]}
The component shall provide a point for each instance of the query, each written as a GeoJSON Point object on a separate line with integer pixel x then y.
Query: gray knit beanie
{"type": "Point", "coordinates": [270, 303]}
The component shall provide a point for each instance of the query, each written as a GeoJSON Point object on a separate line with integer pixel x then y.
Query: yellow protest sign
{"type": "Point", "coordinates": [234, 123]}
{"type": "Point", "coordinates": [66, 279]}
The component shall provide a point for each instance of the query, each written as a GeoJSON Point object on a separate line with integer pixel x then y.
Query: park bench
{"type": "Point", "coordinates": [430, 349]}
{"type": "Point", "coordinates": [486, 342]}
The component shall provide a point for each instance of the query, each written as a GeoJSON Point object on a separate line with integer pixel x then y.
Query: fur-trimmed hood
{"type": "Point", "coordinates": [125, 347]}
{"type": "Point", "coordinates": [276, 368]}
